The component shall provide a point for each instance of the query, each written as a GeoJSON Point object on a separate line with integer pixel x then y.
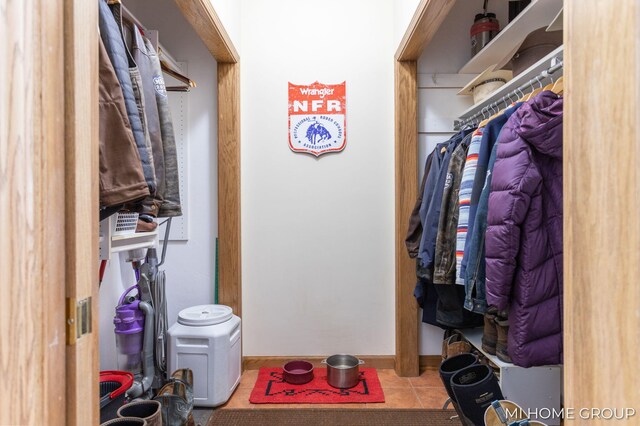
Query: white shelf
{"type": "Point", "coordinates": [522, 78]}
{"type": "Point", "coordinates": [539, 13]}
{"type": "Point", "coordinates": [134, 241]}
{"type": "Point", "coordinates": [532, 388]}
{"type": "Point", "coordinates": [474, 336]}
{"type": "Point", "coordinates": [110, 244]}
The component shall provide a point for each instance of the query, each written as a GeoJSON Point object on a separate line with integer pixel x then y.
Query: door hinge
{"type": "Point", "coordinates": [78, 319]}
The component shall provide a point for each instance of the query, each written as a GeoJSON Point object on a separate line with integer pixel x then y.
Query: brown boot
{"type": "Point", "coordinates": [502, 325]}
{"type": "Point", "coordinates": [175, 409]}
{"type": "Point", "coordinates": [185, 376]}
{"type": "Point", "coordinates": [490, 333]}
{"type": "Point", "coordinates": [455, 345]}
{"type": "Point", "coordinates": [147, 410]}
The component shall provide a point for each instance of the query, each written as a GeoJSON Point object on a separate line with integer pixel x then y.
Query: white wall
{"type": "Point", "coordinates": [438, 102]}
{"type": "Point", "coordinates": [190, 266]}
{"type": "Point", "coordinates": [229, 13]}
{"type": "Point", "coordinates": [317, 234]}
{"type": "Point", "coordinates": [403, 11]}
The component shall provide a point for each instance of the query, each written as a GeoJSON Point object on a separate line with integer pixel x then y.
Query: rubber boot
{"type": "Point", "coordinates": [148, 410]}
{"type": "Point", "coordinates": [126, 421]}
{"type": "Point", "coordinates": [451, 366]}
{"type": "Point", "coordinates": [502, 326]}
{"type": "Point", "coordinates": [490, 332]}
{"type": "Point", "coordinates": [175, 408]}
{"type": "Point", "coordinates": [475, 388]}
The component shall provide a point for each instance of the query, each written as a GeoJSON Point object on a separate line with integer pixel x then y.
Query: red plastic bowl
{"type": "Point", "coordinates": [298, 372]}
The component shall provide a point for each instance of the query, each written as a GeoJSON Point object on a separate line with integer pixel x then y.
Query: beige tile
{"type": "Point", "coordinates": [248, 379]}
{"type": "Point", "coordinates": [389, 380]}
{"type": "Point", "coordinates": [239, 399]}
{"type": "Point", "coordinates": [432, 397]}
{"type": "Point", "coordinates": [430, 378]}
{"type": "Point", "coordinates": [398, 398]}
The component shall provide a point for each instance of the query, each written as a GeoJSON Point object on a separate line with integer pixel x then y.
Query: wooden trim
{"type": "Point", "coordinates": [430, 362]}
{"type": "Point", "coordinates": [32, 213]}
{"type": "Point", "coordinates": [205, 21]}
{"type": "Point", "coordinates": [406, 188]}
{"type": "Point", "coordinates": [81, 148]}
{"type": "Point", "coordinates": [230, 257]}
{"type": "Point", "coordinates": [257, 362]}
{"type": "Point", "coordinates": [601, 203]}
{"type": "Point", "coordinates": [424, 25]}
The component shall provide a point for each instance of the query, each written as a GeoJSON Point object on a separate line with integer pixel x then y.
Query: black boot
{"type": "Point", "coordinates": [475, 388]}
{"type": "Point", "coordinates": [448, 368]}
{"type": "Point", "coordinates": [452, 365]}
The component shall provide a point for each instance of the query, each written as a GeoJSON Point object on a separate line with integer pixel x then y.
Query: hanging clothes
{"type": "Point", "coordinates": [464, 201]}
{"type": "Point", "coordinates": [435, 311]}
{"type": "Point", "coordinates": [444, 270]}
{"type": "Point", "coordinates": [414, 233]}
{"type": "Point", "coordinates": [121, 178]}
{"type": "Point", "coordinates": [147, 102]}
{"type": "Point", "coordinates": [433, 204]}
{"type": "Point", "coordinates": [475, 296]}
{"type": "Point", "coordinates": [450, 311]}
{"type": "Point", "coordinates": [111, 36]}
{"type": "Point", "coordinates": [524, 232]}
{"type": "Point", "coordinates": [489, 137]}
{"type": "Point", "coordinates": [171, 205]}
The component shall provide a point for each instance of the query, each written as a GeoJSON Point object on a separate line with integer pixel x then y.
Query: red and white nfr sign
{"type": "Point", "coordinates": [317, 118]}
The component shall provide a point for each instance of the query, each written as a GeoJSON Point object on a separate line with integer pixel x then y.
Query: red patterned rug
{"type": "Point", "coordinates": [271, 388]}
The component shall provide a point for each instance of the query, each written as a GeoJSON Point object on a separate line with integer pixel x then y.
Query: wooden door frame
{"type": "Point", "coordinates": [32, 212]}
{"type": "Point", "coordinates": [206, 23]}
{"type": "Point", "coordinates": [425, 23]}
{"type": "Point", "coordinates": [601, 151]}
{"type": "Point", "coordinates": [80, 197]}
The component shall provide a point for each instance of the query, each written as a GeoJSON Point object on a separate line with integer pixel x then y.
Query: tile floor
{"type": "Point", "coordinates": [425, 391]}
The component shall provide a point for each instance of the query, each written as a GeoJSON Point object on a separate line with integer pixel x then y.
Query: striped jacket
{"type": "Point", "coordinates": [464, 198]}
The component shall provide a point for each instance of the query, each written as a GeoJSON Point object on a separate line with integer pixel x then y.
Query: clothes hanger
{"type": "Point", "coordinates": [550, 85]}
{"type": "Point", "coordinates": [558, 87]}
{"type": "Point", "coordinates": [536, 90]}
{"type": "Point", "coordinates": [186, 80]}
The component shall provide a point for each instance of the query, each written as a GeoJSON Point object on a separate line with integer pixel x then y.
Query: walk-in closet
{"type": "Point", "coordinates": [319, 212]}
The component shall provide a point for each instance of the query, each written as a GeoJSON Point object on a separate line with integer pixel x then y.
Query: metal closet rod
{"type": "Point", "coordinates": [506, 99]}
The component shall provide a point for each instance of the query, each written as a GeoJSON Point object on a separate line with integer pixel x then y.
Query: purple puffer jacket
{"type": "Point", "coordinates": [524, 231]}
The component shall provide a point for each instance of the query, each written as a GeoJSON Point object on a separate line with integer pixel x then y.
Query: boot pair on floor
{"type": "Point", "coordinates": [173, 405]}
{"type": "Point", "coordinates": [471, 386]}
{"type": "Point", "coordinates": [494, 336]}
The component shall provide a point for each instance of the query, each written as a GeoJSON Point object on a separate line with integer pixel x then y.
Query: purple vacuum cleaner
{"type": "Point", "coordinates": [129, 328]}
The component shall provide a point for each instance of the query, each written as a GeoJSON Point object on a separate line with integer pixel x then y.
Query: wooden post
{"type": "Point", "coordinates": [81, 189]}
{"type": "Point", "coordinates": [32, 213]}
{"type": "Point", "coordinates": [230, 287]}
{"type": "Point", "coordinates": [601, 204]}
{"type": "Point", "coordinates": [406, 152]}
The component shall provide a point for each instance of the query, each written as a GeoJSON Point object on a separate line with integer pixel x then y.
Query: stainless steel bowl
{"type": "Point", "coordinates": [343, 371]}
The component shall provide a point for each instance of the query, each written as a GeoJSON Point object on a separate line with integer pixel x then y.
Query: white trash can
{"type": "Point", "coordinates": [206, 339]}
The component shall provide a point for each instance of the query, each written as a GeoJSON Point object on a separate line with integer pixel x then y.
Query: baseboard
{"type": "Point", "coordinates": [430, 362]}
{"type": "Point", "coordinates": [257, 362]}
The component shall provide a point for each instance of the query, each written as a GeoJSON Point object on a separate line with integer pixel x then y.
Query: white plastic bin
{"type": "Point", "coordinates": [206, 339]}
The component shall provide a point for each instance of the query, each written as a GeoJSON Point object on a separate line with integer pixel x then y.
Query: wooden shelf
{"type": "Point", "coordinates": [540, 13]}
